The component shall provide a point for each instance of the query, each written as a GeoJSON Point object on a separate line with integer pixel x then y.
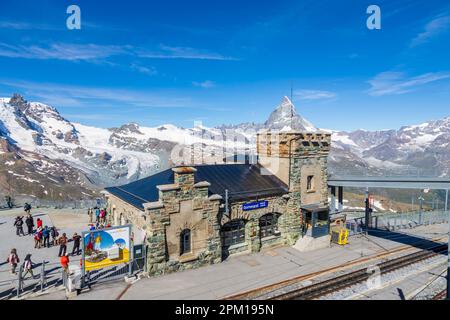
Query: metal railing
{"type": "Point", "coordinates": [395, 221]}
{"type": "Point", "coordinates": [44, 275]}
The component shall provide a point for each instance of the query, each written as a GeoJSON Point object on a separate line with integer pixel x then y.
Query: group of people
{"type": "Point", "coordinates": [100, 215]}
{"type": "Point", "coordinates": [13, 260]}
{"type": "Point", "coordinates": [45, 236]}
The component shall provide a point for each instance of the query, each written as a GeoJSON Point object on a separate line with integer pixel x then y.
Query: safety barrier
{"type": "Point", "coordinates": [44, 276]}
{"type": "Point", "coordinates": [396, 221]}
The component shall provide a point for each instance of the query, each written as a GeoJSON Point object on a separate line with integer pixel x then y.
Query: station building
{"type": "Point", "coordinates": [189, 216]}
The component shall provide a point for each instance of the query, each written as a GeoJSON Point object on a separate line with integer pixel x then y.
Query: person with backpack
{"type": "Point", "coordinates": [37, 239]}
{"type": "Point", "coordinates": [19, 226]}
{"type": "Point", "coordinates": [62, 245]}
{"type": "Point", "coordinates": [30, 224]}
{"type": "Point", "coordinates": [76, 244]}
{"type": "Point", "coordinates": [27, 208]}
{"type": "Point", "coordinates": [55, 235]}
{"type": "Point", "coordinates": [13, 260]}
{"type": "Point", "coordinates": [27, 266]}
{"type": "Point", "coordinates": [46, 237]}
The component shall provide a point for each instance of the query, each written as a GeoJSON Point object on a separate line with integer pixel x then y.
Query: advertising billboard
{"type": "Point", "coordinates": [106, 247]}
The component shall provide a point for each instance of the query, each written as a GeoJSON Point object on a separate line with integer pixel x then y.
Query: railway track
{"type": "Point", "coordinates": [441, 295]}
{"type": "Point", "coordinates": [262, 292]}
{"type": "Point", "coordinates": [326, 287]}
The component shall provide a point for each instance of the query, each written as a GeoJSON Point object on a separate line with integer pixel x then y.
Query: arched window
{"type": "Point", "coordinates": [185, 241]}
{"type": "Point", "coordinates": [233, 232]}
{"type": "Point", "coordinates": [268, 225]}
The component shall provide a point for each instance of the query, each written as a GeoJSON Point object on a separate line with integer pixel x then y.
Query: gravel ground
{"type": "Point", "coordinates": [363, 290]}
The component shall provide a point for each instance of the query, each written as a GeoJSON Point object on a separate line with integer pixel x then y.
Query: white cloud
{"type": "Point", "coordinates": [168, 52]}
{"type": "Point", "coordinates": [314, 94]}
{"type": "Point", "coordinates": [389, 83]}
{"type": "Point", "coordinates": [148, 71]}
{"type": "Point", "coordinates": [62, 51]}
{"type": "Point", "coordinates": [18, 25]}
{"type": "Point", "coordinates": [79, 96]}
{"type": "Point", "coordinates": [94, 52]}
{"type": "Point", "coordinates": [205, 84]}
{"type": "Point", "coordinates": [433, 28]}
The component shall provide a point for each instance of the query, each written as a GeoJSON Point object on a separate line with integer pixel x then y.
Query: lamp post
{"type": "Point", "coordinates": [421, 199]}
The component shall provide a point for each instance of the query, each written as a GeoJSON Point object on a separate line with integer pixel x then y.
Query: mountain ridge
{"type": "Point", "coordinates": [37, 143]}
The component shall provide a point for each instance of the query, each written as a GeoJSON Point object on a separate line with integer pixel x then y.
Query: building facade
{"type": "Point", "coordinates": [190, 216]}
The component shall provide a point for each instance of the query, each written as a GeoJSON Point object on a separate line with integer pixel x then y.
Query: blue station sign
{"type": "Point", "coordinates": [255, 205]}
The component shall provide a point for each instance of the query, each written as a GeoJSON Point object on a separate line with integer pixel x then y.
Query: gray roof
{"type": "Point", "coordinates": [243, 181]}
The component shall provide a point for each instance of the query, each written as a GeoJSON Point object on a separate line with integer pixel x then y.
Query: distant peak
{"type": "Point", "coordinates": [17, 100]}
{"type": "Point", "coordinates": [286, 100]}
{"type": "Point", "coordinates": [285, 116]}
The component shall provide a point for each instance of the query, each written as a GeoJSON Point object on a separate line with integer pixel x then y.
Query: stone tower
{"type": "Point", "coordinates": [299, 159]}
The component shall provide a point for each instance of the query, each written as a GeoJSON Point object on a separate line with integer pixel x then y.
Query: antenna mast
{"type": "Point", "coordinates": [292, 106]}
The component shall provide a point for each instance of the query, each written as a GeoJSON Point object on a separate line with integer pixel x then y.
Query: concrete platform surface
{"type": "Point", "coordinates": [245, 272]}
{"type": "Point", "coordinates": [65, 220]}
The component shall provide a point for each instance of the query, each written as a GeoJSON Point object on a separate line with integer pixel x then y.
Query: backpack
{"type": "Point", "coordinates": [28, 265]}
{"type": "Point", "coordinates": [13, 259]}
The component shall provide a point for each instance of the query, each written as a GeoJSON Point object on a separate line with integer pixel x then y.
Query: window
{"type": "Point", "coordinates": [310, 183]}
{"type": "Point", "coordinates": [268, 225]}
{"type": "Point", "coordinates": [185, 241]}
{"type": "Point", "coordinates": [233, 233]}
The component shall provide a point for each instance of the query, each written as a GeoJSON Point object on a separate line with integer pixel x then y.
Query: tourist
{"type": "Point", "coordinates": [65, 262]}
{"type": "Point", "coordinates": [46, 237]}
{"type": "Point", "coordinates": [39, 223]}
{"type": "Point", "coordinates": [28, 266]}
{"type": "Point", "coordinates": [76, 244]}
{"type": "Point", "coordinates": [97, 215]}
{"type": "Point", "coordinates": [41, 236]}
{"type": "Point", "coordinates": [13, 260]}
{"type": "Point", "coordinates": [102, 215]}
{"type": "Point", "coordinates": [55, 235]}
{"type": "Point", "coordinates": [62, 245]}
{"type": "Point", "coordinates": [27, 208]}
{"type": "Point", "coordinates": [19, 226]}
{"type": "Point", "coordinates": [92, 227]}
{"type": "Point", "coordinates": [37, 239]}
{"type": "Point", "coordinates": [90, 214]}
{"type": "Point", "coordinates": [30, 224]}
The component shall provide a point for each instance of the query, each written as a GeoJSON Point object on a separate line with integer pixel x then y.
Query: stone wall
{"type": "Point", "coordinates": [183, 205]}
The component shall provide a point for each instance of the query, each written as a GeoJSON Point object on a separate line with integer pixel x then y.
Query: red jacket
{"type": "Point", "coordinates": [65, 261]}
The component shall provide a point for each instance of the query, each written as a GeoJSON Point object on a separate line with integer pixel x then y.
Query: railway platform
{"type": "Point", "coordinates": [240, 274]}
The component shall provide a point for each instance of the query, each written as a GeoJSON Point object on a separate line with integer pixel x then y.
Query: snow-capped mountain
{"type": "Point", "coordinates": [420, 148]}
{"type": "Point", "coordinates": [285, 118]}
{"type": "Point", "coordinates": [44, 155]}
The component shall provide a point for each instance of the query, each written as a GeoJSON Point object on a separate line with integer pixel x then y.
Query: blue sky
{"type": "Point", "coordinates": [156, 62]}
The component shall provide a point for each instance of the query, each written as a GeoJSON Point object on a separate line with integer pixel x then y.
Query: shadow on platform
{"type": "Point", "coordinates": [408, 239]}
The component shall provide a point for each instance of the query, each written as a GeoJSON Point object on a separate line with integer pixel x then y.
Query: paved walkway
{"type": "Point", "coordinates": [245, 272]}
{"type": "Point", "coordinates": [68, 221]}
